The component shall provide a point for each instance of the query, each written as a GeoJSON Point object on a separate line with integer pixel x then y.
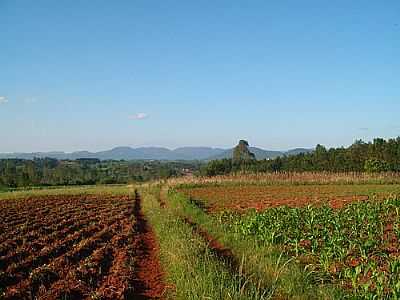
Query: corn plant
{"type": "Point", "coordinates": [356, 246]}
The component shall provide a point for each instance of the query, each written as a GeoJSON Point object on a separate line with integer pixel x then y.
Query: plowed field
{"type": "Point", "coordinates": [261, 197]}
{"type": "Point", "coordinates": [69, 247]}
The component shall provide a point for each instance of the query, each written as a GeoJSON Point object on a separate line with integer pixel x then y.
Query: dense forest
{"type": "Point", "coordinates": [49, 172]}
{"type": "Point", "coordinates": [378, 156]}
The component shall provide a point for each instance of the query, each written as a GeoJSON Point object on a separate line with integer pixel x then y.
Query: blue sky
{"type": "Point", "coordinates": [97, 74]}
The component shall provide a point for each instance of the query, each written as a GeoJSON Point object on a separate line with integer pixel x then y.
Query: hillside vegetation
{"type": "Point", "coordinates": [380, 155]}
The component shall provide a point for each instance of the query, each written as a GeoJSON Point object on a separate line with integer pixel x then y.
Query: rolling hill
{"type": "Point", "coordinates": [154, 153]}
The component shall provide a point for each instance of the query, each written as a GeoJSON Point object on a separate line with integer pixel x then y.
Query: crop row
{"type": "Point", "coordinates": [356, 246]}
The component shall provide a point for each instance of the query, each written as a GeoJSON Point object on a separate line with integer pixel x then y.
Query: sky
{"type": "Point", "coordinates": [92, 75]}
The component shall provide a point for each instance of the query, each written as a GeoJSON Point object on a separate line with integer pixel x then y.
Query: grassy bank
{"type": "Point", "coordinates": [192, 270]}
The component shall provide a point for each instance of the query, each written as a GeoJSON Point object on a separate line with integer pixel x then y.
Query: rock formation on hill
{"type": "Point", "coordinates": [242, 153]}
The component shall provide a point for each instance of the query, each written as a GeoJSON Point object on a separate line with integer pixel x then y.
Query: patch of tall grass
{"type": "Point", "coordinates": [192, 270]}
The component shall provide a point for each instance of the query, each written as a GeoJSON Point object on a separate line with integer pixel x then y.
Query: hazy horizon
{"type": "Point", "coordinates": [92, 76]}
{"type": "Point", "coordinates": [188, 146]}
{"type": "Point", "coordinates": [151, 146]}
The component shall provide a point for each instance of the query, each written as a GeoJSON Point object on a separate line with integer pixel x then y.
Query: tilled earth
{"type": "Point", "coordinates": [261, 197]}
{"type": "Point", "coordinates": [77, 247]}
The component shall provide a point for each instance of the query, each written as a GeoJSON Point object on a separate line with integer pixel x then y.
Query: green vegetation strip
{"type": "Point", "coordinates": [192, 270]}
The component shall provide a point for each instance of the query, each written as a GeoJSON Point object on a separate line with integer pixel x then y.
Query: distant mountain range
{"type": "Point", "coordinates": [155, 153]}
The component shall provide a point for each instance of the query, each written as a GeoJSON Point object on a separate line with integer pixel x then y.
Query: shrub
{"type": "Point", "coordinates": [376, 165]}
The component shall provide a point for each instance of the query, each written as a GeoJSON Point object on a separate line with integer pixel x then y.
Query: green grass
{"type": "Point", "coordinates": [192, 270]}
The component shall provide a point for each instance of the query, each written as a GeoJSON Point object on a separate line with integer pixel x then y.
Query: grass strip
{"type": "Point", "coordinates": [192, 270]}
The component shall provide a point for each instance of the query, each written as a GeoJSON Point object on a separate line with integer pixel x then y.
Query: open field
{"type": "Point", "coordinates": [345, 236]}
{"type": "Point", "coordinates": [261, 197]}
{"type": "Point", "coordinates": [75, 247]}
{"type": "Point", "coordinates": [203, 241]}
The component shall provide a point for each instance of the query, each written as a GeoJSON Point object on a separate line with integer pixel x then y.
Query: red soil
{"type": "Point", "coordinates": [148, 283]}
{"type": "Point", "coordinates": [214, 245]}
{"type": "Point", "coordinates": [224, 254]}
{"type": "Point", "coordinates": [243, 197]}
{"type": "Point", "coordinates": [77, 247]}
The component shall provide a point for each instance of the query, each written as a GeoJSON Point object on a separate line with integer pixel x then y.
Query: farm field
{"type": "Point", "coordinates": [76, 247]}
{"type": "Point", "coordinates": [356, 247]}
{"type": "Point", "coordinates": [260, 197]}
{"type": "Point", "coordinates": [201, 241]}
{"type": "Point", "coordinates": [344, 236]}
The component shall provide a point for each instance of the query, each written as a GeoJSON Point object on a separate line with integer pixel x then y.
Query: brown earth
{"type": "Point", "coordinates": [77, 247]}
{"type": "Point", "coordinates": [148, 283]}
{"type": "Point", "coordinates": [223, 253]}
{"type": "Point", "coordinates": [243, 197]}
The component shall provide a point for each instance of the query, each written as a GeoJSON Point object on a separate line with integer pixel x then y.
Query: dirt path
{"type": "Point", "coordinates": [148, 283]}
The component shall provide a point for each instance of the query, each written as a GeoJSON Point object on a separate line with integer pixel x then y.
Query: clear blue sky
{"type": "Point", "coordinates": [97, 74]}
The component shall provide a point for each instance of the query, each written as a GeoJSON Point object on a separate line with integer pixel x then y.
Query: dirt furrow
{"type": "Point", "coordinates": [219, 250]}
{"type": "Point", "coordinates": [224, 254]}
{"type": "Point", "coordinates": [148, 277]}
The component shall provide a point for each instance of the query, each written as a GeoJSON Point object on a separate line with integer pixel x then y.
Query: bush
{"type": "Point", "coordinates": [376, 165]}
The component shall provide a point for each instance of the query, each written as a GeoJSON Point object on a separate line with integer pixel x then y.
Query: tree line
{"type": "Point", "coordinates": [51, 172]}
{"type": "Point", "coordinates": [380, 155]}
